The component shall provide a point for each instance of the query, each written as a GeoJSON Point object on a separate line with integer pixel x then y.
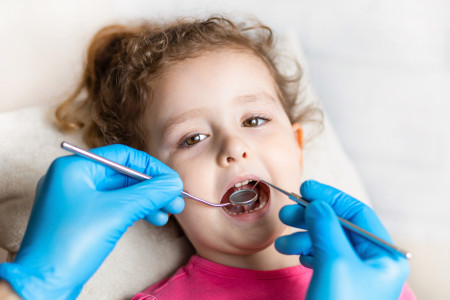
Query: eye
{"type": "Point", "coordinates": [255, 121]}
{"type": "Point", "coordinates": [192, 140]}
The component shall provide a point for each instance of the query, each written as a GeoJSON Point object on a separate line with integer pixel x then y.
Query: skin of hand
{"type": "Point", "coordinates": [346, 266]}
{"type": "Point", "coordinates": [81, 210]}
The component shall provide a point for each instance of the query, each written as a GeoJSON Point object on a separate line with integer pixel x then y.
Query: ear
{"type": "Point", "coordinates": [298, 135]}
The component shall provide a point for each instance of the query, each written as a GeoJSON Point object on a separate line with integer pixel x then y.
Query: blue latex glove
{"type": "Point", "coordinates": [81, 210]}
{"type": "Point", "coordinates": [346, 266]}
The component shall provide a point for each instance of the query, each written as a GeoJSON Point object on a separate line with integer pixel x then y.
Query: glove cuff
{"type": "Point", "coordinates": [29, 286]}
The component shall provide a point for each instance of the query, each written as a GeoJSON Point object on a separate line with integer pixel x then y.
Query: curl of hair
{"type": "Point", "coordinates": [114, 89]}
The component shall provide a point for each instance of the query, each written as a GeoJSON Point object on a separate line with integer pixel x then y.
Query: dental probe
{"type": "Point", "coordinates": [347, 224]}
{"type": "Point", "coordinates": [141, 176]}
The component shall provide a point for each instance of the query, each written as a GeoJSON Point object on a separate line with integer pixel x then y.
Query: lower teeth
{"type": "Point", "coordinates": [260, 206]}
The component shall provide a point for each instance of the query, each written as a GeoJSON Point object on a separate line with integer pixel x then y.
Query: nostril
{"type": "Point", "coordinates": [232, 158]}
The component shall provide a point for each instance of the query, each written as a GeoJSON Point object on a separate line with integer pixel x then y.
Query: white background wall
{"type": "Point", "coordinates": [381, 68]}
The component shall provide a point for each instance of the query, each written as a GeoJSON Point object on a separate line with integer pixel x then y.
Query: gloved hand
{"type": "Point", "coordinates": [81, 210]}
{"type": "Point", "coordinates": [346, 266]}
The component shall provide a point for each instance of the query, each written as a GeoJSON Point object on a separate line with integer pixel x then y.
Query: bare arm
{"type": "Point", "coordinates": [6, 292]}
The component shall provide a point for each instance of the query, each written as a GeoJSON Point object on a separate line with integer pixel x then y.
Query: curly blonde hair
{"type": "Point", "coordinates": [114, 90]}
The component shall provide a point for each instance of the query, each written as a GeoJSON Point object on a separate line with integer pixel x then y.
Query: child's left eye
{"type": "Point", "coordinates": [255, 121]}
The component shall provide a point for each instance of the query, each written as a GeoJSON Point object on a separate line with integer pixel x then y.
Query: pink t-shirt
{"type": "Point", "coordinates": [203, 279]}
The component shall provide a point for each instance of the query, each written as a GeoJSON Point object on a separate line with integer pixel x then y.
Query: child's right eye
{"type": "Point", "coordinates": [192, 140]}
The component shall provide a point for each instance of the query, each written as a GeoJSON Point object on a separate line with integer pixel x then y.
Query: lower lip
{"type": "Point", "coordinates": [251, 216]}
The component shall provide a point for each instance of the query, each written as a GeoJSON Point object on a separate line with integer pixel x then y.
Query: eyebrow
{"type": "Point", "coordinates": [255, 98]}
{"type": "Point", "coordinates": [174, 122]}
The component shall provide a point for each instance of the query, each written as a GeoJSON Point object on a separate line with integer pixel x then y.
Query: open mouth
{"type": "Point", "coordinates": [261, 189]}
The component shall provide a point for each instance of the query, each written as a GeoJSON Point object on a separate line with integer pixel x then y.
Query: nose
{"type": "Point", "coordinates": [232, 150]}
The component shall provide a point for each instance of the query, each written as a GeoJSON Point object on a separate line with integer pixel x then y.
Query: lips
{"type": "Point", "coordinates": [263, 198]}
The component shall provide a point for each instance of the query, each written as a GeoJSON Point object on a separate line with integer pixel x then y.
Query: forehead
{"type": "Point", "coordinates": [220, 74]}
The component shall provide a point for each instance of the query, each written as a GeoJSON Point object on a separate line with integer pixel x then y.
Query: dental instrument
{"type": "Point", "coordinates": [240, 201]}
{"type": "Point", "coordinates": [347, 224]}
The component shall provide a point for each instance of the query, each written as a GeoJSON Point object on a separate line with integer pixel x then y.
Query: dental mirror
{"type": "Point", "coordinates": [243, 197]}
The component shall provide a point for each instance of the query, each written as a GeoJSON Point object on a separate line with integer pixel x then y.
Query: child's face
{"type": "Point", "coordinates": [217, 120]}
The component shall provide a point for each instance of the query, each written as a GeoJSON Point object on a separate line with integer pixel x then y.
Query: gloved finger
{"type": "Point", "coordinates": [345, 206]}
{"type": "Point", "coordinates": [293, 215]}
{"type": "Point", "coordinates": [157, 218]}
{"type": "Point", "coordinates": [150, 195]}
{"type": "Point", "coordinates": [297, 243]}
{"type": "Point", "coordinates": [327, 236]}
{"type": "Point", "coordinates": [307, 261]}
{"type": "Point", "coordinates": [174, 207]}
{"type": "Point", "coordinates": [129, 157]}
{"type": "Point", "coordinates": [313, 190]}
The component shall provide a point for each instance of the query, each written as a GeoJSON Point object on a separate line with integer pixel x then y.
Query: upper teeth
{"type": "Point", "coordinates": [242, 183]}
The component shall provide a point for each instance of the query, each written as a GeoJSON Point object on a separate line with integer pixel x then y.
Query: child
{"type": "Point", "coordinates": [207, 99]}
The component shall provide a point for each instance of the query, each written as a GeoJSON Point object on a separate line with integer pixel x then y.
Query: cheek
{"type": "Point", "coordinates": [189, 213]}
{"type": "Point", "coordinates": [196, 221]}
{"type": "Point", "coordinates": [284, 157]}
{"type": "Point", "coordinates": [187, 169]}
{"type": "Point", "coordinates": [282, 148]}
{"type": "Point", "coordinates": [196, 173]}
